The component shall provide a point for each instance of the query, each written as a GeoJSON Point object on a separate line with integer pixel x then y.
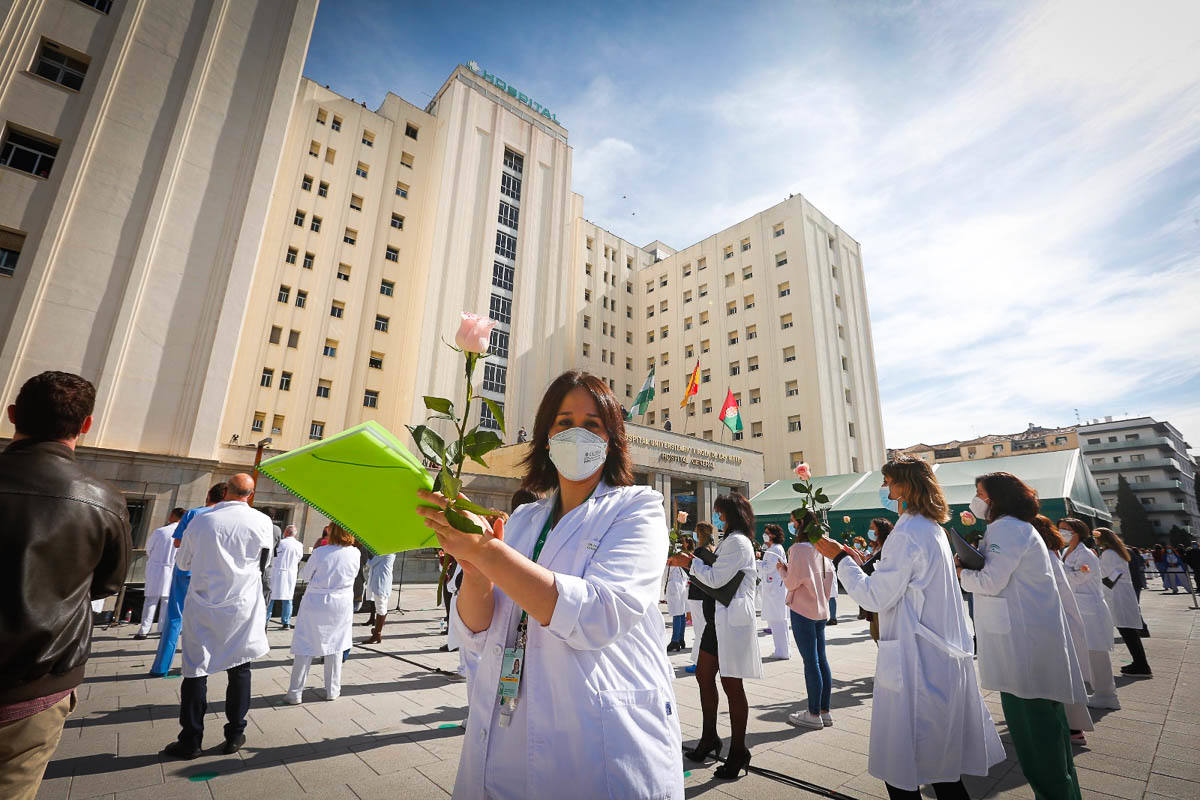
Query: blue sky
{"type": "Point", "coordinates": [1024, 177]}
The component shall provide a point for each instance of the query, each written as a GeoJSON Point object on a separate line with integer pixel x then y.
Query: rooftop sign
{"type": "Point", "coordinates": [511, 90]}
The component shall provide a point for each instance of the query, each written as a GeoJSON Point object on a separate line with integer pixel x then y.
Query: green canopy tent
{"type": "Point", "coordinates": [1061, 478]}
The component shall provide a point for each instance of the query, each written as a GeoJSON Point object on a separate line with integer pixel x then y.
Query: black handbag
{"type": "Point", "coordinates": [722, 594]}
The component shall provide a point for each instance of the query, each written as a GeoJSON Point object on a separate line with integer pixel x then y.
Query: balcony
{"type": "Point", "coordinates": [1132, 444]}
{"type": "Point", "coordinates": [1163, 507]}
{"type": "Point", "coordinates": [1145, 486]}
{"type": "Point", "coordinates": [1132, 466]}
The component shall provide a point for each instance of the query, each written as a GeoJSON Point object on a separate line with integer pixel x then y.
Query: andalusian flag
{"type": "Point", "coordinates": [693, 385]}
{"type": "Point", "coordinates": [642, 401]}
{"type": "Point", "coordinates": [729, 413]}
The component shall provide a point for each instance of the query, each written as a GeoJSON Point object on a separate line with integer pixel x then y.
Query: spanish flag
{"type": "Point", "coordinates": [693, 385]}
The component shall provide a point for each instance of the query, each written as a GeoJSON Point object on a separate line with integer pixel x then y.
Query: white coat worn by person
{"type": "Point", "coordinates": [596, 689]}
{"type": "Point", "coordinates": [774, 604]}
{"type": "Point", "coordinates": [737, 634]}
{"type": "Point", "coordinates": [1020, 626]}
{"type": "Point", "coordinates": [1082, 566]}
{"type": "Point", "coordinates": [284, 569]}
{"type": "Point", "coordinates": [379, 591]}
{"type": "Point", "coordinates": [1121, 598]}
{"type": "Point", "coordinates": [325, 616]}
{"type": "Point", "coordinates": [1077, 714]}
{"type": "Point", "coordinates": [160, 563]}
{"type": "Point", "coordinates": [929, 723]}
{"type": "Point", "coordinates": [677, 592]}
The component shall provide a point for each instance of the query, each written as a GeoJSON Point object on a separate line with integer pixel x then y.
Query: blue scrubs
{"type": "Point", "coordinates": [174, 622]}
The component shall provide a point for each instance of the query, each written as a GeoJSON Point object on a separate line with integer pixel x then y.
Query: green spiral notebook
{"type": "Point", "coordinates": [365, 480]}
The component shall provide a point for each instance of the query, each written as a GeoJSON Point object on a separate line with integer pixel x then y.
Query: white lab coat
{"type": "Point", "coordinates": [928, 719]}
{"type": "Point", "coordinates": [224, 616]}
{"type": "Point", "coordinates": [1024, 641]}
{"type": "Point", "coordinates": [1122, 599]}
{"type": "Point", "coordinates": [737, 635]}
{"type": "Point", "coordinates": [774, 604]}
{"type": "Point", "coordinates": [1083, 572]}
{"type": "Point", "coordinates": [599, 712]}
{"type": "Point", "coordinates": [1075, 624]}
{"type": "Point", "coordinates": [285, 567]}
{"type": "Point", "coordinates": [452, 590]}
{"type": "Point", "coordinates": [379, 581]}
{"type": "Point", "coordinates": [160, 561]}
{"type": "Point", "coordinates": [677, 591]}
{"type": "Point", "coordinates": [327, 608]}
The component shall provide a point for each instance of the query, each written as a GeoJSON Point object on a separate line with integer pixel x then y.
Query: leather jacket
{"type": "Point", "coordinates": [65, 540]}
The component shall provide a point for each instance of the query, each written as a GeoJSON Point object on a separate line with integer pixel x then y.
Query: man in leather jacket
{"type": "Point", "coordinates": [65, 539]}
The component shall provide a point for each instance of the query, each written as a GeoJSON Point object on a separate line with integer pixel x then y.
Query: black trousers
{"type": "Point", "coordinates": [1133, 640]}
{"type": "Point", "coordinates": [943, 791]}
{"type": "Point", "coordinates": [193, 704]}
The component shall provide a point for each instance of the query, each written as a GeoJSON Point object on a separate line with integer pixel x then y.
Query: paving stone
{"type": "Point", "coordinates": [267, 781]}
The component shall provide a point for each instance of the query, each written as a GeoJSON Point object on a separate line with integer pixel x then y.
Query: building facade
{"type": "Point", "coordinates": [1034, 439]}
{"type": "Point", "coordinates": [1153, 457]}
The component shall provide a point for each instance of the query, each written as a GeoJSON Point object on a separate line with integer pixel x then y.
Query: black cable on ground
{"type": "Point", "coordinates": [794, 782]}
{"type": "Point", "coordinates": [425, 667]}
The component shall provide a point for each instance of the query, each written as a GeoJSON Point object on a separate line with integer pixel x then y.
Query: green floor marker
{"type": "Point", "coordinates": [201, 777]}
{"type": "Point", "coordinates": [169, 677]}
{"type": "Point", "coordinates": [448, 725]}
{"type": "Point", "coordinates": [687, 774]}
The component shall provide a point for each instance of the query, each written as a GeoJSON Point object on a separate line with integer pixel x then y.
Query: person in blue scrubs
{"type": "Point", "coordinates": [180, 579]}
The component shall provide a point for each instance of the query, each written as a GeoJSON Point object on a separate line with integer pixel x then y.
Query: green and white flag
{"type": "Point", "coordinates": [642, 402]}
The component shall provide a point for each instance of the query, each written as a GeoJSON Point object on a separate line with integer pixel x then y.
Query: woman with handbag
{"type": "Point", "coordinates": [730, 641]}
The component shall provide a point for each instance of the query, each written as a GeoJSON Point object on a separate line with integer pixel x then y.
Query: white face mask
{"type": "Point", "coordinates": [980, 507]}
{"type": "Point", "coordinates": [577, 453]}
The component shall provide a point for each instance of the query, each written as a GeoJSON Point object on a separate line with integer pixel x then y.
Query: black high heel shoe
{"type": "Point", "coordinates": [733, 766]}
{"type": "Point", "coordinates": [703, 748]}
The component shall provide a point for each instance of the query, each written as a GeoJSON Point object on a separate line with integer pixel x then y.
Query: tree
{"type": "Point", "coordinates": [1179, 537]}
{"type": "Point", "coordinates": [1136, 529]}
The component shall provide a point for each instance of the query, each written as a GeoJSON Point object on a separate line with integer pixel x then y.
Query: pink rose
{"type": "Point", "coordinates": [681, 517]}
{"type": "Point", "coordinates": [474, 333]}
{"type": "Point", "coordinates": [967, 518]}
{"type": "Point", "coordinates": [803, 472]}
{"type": "Point", "coordinates": [846, 519]}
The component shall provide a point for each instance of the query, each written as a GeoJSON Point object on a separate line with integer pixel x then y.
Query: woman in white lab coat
{"type": "Point", "coordinates": [160, 563]}
{"type": "Point", "coordinates": [1082, 566]}
{"type": "Point", "coordinates": [326, 613]}
{"type": "Point", "coordinates": [929, 724]}
{"type": "Point", "coordinates": [677, 590]}
{"type": "Point", "coordinates": [379, 592]}
{"type": "Point", "coordinates": [1025, 649]}
{"type": "Point", "coordinates": [284, 569]}
{"type": "Point", "coordinates": [1122, 599]}
{"type": "Point", "coordinates": [1078, 717]}
{"type": "Point", "coordinates": [594, 710]}
{"type": "Point", "coordinates": [774, 603]}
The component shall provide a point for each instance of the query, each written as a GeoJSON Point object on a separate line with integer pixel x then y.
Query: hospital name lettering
{"type": "Point", "coordinates": [686, 450]}
{"type": "Point", "coordinates": [511, 90]}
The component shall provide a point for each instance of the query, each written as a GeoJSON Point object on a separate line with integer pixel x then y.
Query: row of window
{"type": "Point", "coordinates": [361, 169]}
{"type": "Point", "coordinates": [368, 138]}
{"type": "Point", "coordinates": [508, 217]}
{"type": "Point", "coordinates": [316, 428]}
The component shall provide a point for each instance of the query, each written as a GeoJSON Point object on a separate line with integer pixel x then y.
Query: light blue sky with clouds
{"type": "Point", "coordinates": [1024, 177]}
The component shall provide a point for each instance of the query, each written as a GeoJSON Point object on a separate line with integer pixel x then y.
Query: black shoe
{"type": "Point", "coordinates": [231, 746]}
{"type": "Point", "coordinates": [1137, 671]}
{"type": "Point", "coordinates": [733, 766]}
{"type": "Point", "coordinates": [140, 636]}
{"type": "Point", "coordinates": [831, 622]}
{"type": "Point", "coordinates": [444, 648]}
{"type": "Point", "coordinates": [178, 749]}
{"type": "Point", "coordinates": [703, 748]}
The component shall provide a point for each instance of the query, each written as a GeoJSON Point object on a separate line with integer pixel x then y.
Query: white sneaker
{"type": "Point", "coordinates": [294, 699]}
{"type": "Point", "coordinates": [826, 719]}
{"type": "Point", "coordinates": [805, 719]}
{"type": "Point", "coordinates": [1101, 702]}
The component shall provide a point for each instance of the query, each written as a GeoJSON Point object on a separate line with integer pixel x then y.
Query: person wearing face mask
{"type": "Point", "coordinates": [698, 599]}
{"type": "Point", "coordinates": [558, 620]}
{"type": "Point", "coordinates": [730, 643]}
{"type": "Point", "coordinates": [1083, 574]}
{"type": "Point", "coordinates": [1025, 649]}
{"type": "Point", "coordinates": [877, 532]}
{"type": "Point", "coordinates": [1122, 600]}
{"type": "Point", "coordinates": [774, 603]}
{"type": "Point", "coordinates": [807, 576]}
{"type": "Point", "coordinates": [929, 724]}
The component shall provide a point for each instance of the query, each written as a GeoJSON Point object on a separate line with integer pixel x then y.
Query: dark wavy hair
{"type": "Point", "coordinates": [774, 532]}
{"type": "Point", "coordinates": [882, 528]}
{"type": "Point", "coordinates": [1009, 496]}
{"type": "Point", "coordinates": [739, 516]}
{"type": "Point", "coordinates": [541, 475]}
{"type": "Point", "coordinates": [53, 406]}
{"type": "Point", "coordinates": [1050, 535]}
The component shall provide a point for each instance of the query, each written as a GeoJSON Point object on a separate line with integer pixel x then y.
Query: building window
{"type": "Point", "coordinates": [837, 300]}
{"type": "Point", "coordinates": [751, 332]}
{"type": "Point", "coordinates": [780, 259]}
{"type": "Point", "coordinates": [752, 364]}
{"type": "Point", "coordinates": [794, 424]}
{"type": "Point", "coordinates": [748, 302]}
{"type": "Point", "coordinates": [301, 298]}
{"type": "Point", "coordinates": [355, 203]}
{"type": "Point", "coordinates": [733, 338]}
{"type": "Point", "coordinates": [264, 380]}
{"type": "Point", "coordinates": [486, 420]}
{"type": "Point", "coordinates": [728, 252]}
{"type": "Point", "coordinates": [587, 321]}
{"type": "Point", "coordinates": [308, 260]}
{"type": "Point", "coordinates": [500, 309]}
{"type": "Point", "coordinates": [323, 189]}
{"type": "Point", "coordinates": [704, 346]}
{"type": "Point", "coordinates": [849, 397]}
{"type": "Point", "coordinates": [387, 288]}
{"type": "Point", "coordinates": [285, 292]}
{"type": "Point", "coordinates": [791, 389]}
{"type": "Point", "coordinates": [745, 245]}
{"type": "Point", "coordinates": [410, 130]}
{"type": "Point", "coordinates": [315, 226]}
{"type": "Point", "coordinates": [777, 231]}
{"type": "Point", "coordinates": [293, 339]}
{"type": "Point", "coordinates": [371, 398]}
{"type": "Point", "coordinates": [406, 160]}
{"type": "Point", "coordinates": [257, 424]}
{"type": "Point", "coordinates": [845, 364]}
{"type": "Point", "coordinates": [350, 236]}
{"type": "Point", "coordinates": [306, 183]}
{"type": "Point", "coordinates": [368, 138]}
{"type": "Point", "coordinates": [649, 312]}
{"type": "Point", "coordinates": [735, 368]}
{"type": "Point", "coordinates": [336, 124]}
{"type": "Point", "coordinates": [728, 280]}
{"type": "Point", "coordinates": [1132, 437]}
{"type": "Point", "coordinates": [343, 272]}
{"type": "Point", "coordinates": [628, 337]}
{"type": "Point", "coordinates": [502, 276]}
{"type": "Point", "coordinates": [756, 430]}
{"type": "Point", "coordinates": [687, 296]}
{"type": "Point", "coordinates": [705, 377]}
{"type": "Point", "coordinates": [381, 323]}
{"type": "Point", "coordinates": [103, 6]}
{"type": "Point", "coordinates": [514, 161]}
{"type": "Point", "coordinates": [397, 222]}
{"type": "Point", "coordinates": [730, 308]}
{"type": "Point", "coordinates": [285, 381]}
{"type": "Point", "coordinates": [785, 289]}
{"type": "Point", "coordinates": [401, 189]}
{"type": "Point", "coordinates": [755, 397]}
{"type": "Point", "coordinates": [292, 253]}
{"type": "Point", "coordinates": [785, 322]}
{"type": "Point", "coordinates": [841, 332]}
{"type": "Point", "coordinates": [649, 337]}
{"type": "Point", "coordinates": [506, 246]}
{"type": "Point", "coordinates": [508, 215]}
{"type": "Point", "coordinates": [337, 309]}
{"type": "Point", "coordinates": [375, 361]}
{"type": "Point", "coordinates": [330, 348]}
{"type": "Point", "coordinates": [687, 323]}
{"type": "Point", "coordinates": [316, 430]}
{"type": "Point", "coordinates": [510, 186]}
{"type": "Point", "coordinates": [298, 219]}
{"type": "Point", "coordinates": [277, 420]}
{"type": "Point", "coordinates": [586, 350]}
{"type": "Point", "coordinates": [498, 345]}
{"type": "Point", "coordinates": [392, 253]}
{"type": "Point", "coordinates": [495, 377]}
{"type": "Point", "coordinates": [587, 295]}
{"type": "Point", "coordinates": [330, 155]}
{"type": "Point", "coordinates": [706, 407]}
{"type": "Point", "coordinates": [275, 335]}
{"type": "Point", "coordinates": [747, 273]}
{"type": "Point", "coordinates": [850, 428]}
{"type": "Point", "coordinates": [314, 148]}
{"type": "Point", "coordinates": [323, 388]}
{"type": "Point", "coordinates": [789, 354]}
{"type": "Point", "coordinates": [361, 170]}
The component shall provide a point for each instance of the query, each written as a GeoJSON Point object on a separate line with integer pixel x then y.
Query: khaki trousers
{"type": "Point", "coordinates": [26, 746]}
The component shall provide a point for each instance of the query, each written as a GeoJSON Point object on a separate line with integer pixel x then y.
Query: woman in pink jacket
{"type": "Point", "coordinates": [808, 578]}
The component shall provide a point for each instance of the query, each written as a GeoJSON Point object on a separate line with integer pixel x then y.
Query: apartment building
{"type": "Point", "coordinates": [1031, 440]}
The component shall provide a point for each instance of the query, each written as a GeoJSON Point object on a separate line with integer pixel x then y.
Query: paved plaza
{"type": "Point", "coordinates": [394, 733]}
